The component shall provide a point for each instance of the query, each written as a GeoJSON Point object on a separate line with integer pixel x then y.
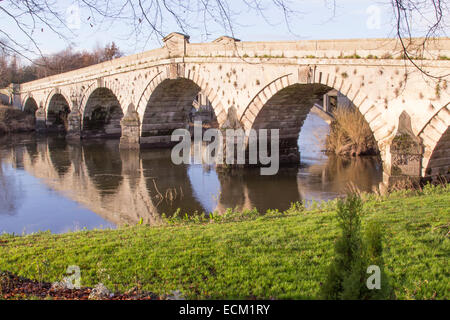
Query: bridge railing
{"type": "Point", "coordinates": [351, 48]}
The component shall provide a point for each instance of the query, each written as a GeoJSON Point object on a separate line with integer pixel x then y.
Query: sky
{"type": "Point", "coordinates": [315, 20]}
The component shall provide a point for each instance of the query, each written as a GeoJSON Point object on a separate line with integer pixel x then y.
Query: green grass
{"type": "Point", "coordinates": [282, 256]}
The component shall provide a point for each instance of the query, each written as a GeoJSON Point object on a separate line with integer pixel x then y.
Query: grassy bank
{"type": "Point", "coordinates": [280, 255]}
{"type": "Point", "coordinates": [14, 120]}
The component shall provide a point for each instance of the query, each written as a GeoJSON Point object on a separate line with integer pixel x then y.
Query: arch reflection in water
{"type": "Point", "coordinates": [28, 205]}
{"type": "Point", "coordinates": [104, 165]}
{"type": "Point", "coordinates": [59, 154]}
{"type": "Point", "coordinates": [121, 186]}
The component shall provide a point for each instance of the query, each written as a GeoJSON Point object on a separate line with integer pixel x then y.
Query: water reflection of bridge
{"type": "Point", "coordinates": [122, 187]}
{"type": "Point", "coordinates": [126, 186]}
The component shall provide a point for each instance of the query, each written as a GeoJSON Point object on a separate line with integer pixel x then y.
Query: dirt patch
{"type": "Point", "coordinates": [13, 287]}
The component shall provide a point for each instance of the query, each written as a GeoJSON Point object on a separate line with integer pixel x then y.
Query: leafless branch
{"type": "Point", "coordinates": [432, 12]}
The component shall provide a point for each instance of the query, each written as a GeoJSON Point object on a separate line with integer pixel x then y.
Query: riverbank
{"type": "Point", "coordinates": [13, 120]}
{"type": "Point", "coordinates": [278, 255]}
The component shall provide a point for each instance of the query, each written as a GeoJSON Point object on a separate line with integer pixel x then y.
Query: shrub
{"type": "Point", "coordinates": [350, 134]}
{"type": "Point", "coordinates": [347, 273]}
{"type": "Point", "coordinates": [347, 264]}
{"type": "Point", "coordinates": [15, 120]}
{"type": "Point", "coordinates": [374, 253]}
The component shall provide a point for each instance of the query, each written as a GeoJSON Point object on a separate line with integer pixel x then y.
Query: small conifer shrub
{"type": "Point", "coordinates": [347, 274]}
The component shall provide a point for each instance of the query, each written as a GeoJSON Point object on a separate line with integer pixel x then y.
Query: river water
{"type": "Point", "coordinates": [48, 184]}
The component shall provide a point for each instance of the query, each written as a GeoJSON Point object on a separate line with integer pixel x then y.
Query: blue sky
{"type": "Point", "coordinates": [352, 19]}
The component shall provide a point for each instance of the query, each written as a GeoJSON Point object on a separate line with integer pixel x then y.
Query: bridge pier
{"type": "Point", "coordinates": [289, 153]}
{"type": "Point", "coordinates": [287, 149]}
{"type": "Point", "coordinates": [130, 163]}
{"type": "Point", "coordinates": [40, 120]}
{"type": "Point", "coordinates": [130, 124]}
{"type": "Point", "coordinates": [403, 156]}
{"type": "Point", "coordinates": [74, 125]}
{"type": "Point", "coordinates": [254, 142]}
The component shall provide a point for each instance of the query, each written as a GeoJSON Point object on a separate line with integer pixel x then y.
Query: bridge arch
{"type": "Point", "coordinates": [57, 111]}
{"type": "Point", "coordinates": [436, 140]}
{"type": "Point", "coordinates": [30, 105]}
{"type": "Point", "coordinates": [113, 86]}
{"type": "Point", "coordinates": [102, 113]}
{"type": "Point", "coordinates": [285, 103]}
{"type": "Point", "coordinates": [166, 103]}
{"type": "Point", "coordinates": [191, 75]}
{"type": "Point", "coordinates": [369, 109]}
{"type": "Point", "coordinates": [60, 93]}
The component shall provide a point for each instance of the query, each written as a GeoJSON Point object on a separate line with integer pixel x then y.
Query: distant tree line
{"type": "Point", "coordinates": [11, 70]}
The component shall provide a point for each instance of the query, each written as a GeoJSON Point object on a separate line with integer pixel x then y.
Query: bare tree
{"type": "Point", "coordinates": [110, 52]}
{"type": "Point", "coordinates": [431, 14]}
{"type": "Point", "coordinates": [27, 18]}
{"type": "Point", "coordinates": [63, 61]}
{"type": "Point", "coordinates": [148, 18]}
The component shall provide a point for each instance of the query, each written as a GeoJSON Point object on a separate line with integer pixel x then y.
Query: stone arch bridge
{"type": "Point", "coordinates": [142, 98]}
